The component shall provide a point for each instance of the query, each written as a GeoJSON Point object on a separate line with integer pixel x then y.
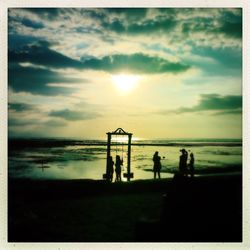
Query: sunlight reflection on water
{"type": "Point", "coordinates": [89, 162]}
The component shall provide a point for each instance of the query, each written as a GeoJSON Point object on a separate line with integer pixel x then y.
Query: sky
{"type": "Point", "coordinates": [156, 73]}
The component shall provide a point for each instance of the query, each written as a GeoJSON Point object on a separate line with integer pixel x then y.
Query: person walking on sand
{"type": "Point", "coordinates": [191, 165]}
{"type": "Point", "coordinates": [118, 168]}
{"type": "Point", "coordinates": [183, 162]}
{"type": "Point", "coordinates": [157, 165]}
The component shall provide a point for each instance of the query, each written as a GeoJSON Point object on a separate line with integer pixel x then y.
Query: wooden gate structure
{"type": "Point", "coordinates": [120, 132]}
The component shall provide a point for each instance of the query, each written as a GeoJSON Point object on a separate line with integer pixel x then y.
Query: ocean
{"type": "Point", "coordinates": [86, 159]}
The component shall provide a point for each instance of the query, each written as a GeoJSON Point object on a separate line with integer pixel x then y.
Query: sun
{"type": "Point", "coordinates": [125, 83]}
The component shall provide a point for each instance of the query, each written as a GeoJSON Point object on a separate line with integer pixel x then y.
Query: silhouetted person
{"type": "Point", "coordinates": [118, 168]}
{"type": "Point", "coordinates": [110, 169]}
{"type": "Point", "coordinates": [191, 165]}
{"type": "Point", "coordinates": [183, 162]}
{"type": "Point", "coordinates": [157, 164]}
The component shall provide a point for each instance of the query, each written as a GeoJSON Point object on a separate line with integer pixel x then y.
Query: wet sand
{"type": "Point", "coordinates": [205, 209]}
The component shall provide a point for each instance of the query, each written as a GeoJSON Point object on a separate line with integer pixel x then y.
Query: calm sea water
{"type": "Point", "coordinates": [72, 159]}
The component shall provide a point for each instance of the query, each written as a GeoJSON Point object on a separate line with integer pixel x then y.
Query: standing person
{"type": "Point", "coordinates": [118, 168]}
{"type": "Point", "coordinates": [191, 165]}
{"type": "Point", "coordinates": [183, 162]}
{"type": "Point", "coordinates": [157, 164]}
{"type": "Point", "coordinates": [186, 163]}
{"type": "Point", "coordinates": [110, 169]}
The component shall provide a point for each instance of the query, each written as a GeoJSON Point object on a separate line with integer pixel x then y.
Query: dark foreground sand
{"type": "Point", "coordinates": [205, 209]}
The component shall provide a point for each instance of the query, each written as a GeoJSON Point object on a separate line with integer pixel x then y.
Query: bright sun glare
{"type": "Point", "coordinates": [125, 83]}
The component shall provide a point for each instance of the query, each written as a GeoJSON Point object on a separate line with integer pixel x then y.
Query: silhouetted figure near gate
{"type": "Point", "coordinates": [157, 164]}
{"type": "Point", "coordinates": [191, 165]}
{"type": "Point", "coordinates": [110, 169]}
{"type": "Point", "coordinates": [118, 168]}
{"type": "Point", "coordinates": [183, 162]}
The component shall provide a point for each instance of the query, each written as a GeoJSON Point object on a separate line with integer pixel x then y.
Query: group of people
{"type": "Point", "coordinates": [118, 168]}
{"type": "Point", "coordinates": [185, 168]}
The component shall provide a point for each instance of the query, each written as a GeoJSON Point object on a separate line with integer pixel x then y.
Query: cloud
{"type": "Point", "coordinates": [17, 41]}
{"type": "Point", "coordinates": [71, 115]}
{"type": "Point", "coordinates": [180, 24]}
{"type": "Point", "coordinates": [215, 102]}
{"type": "Point", "coordinates": [231, 23]}
{"type": "Point", "coordinates": [148, 26]}
{"type": "Point", "coordinates": [42, 55]}
{"type": "Point", "coordinates": [215, 61]}
{"type": "Point", "coordinates": [130, 13]}
{"type": "Point", "coordinates": [226, 23]}
{"type": "Point", "coordinates": [231, 29]}
{"type": "Point", "coordinates": [136, 63]}
{"type": "Point", "coordinates": [36, 80]}
{"type": "Point", "coordinates": [228, 57]}
{"type": "Point", "coordinates": [20, 107]}
{"type": "Point", "coordinates": [20, 122]}
{"type": "Point", "coordinates": [218, 104]}
{"type": "Point", "coordinates": [230, 112]}
{"type": "Point", "coordinates": [152, 26]}
{"type": "Point", "coordinates": [105, 16]}
{"type": "Point", "coordinates": [45, 13]}
{"type": "Point", "coordinates": [32, 24]}
{"type": "Point", "coordinates": [55, 123]}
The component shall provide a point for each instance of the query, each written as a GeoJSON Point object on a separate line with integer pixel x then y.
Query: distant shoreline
{"type": "Point", "coordinates": [21, 142]}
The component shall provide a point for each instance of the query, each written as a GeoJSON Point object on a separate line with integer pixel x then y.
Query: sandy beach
{"type": "Point", "coordinates": [205, 209]}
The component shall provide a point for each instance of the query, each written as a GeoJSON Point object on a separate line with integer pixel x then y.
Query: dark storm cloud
{"type": "Point", "coordinates": [46, 13]}
{"type": "Point", "coordinates": [227, 23]}
{"type": "Point", "coordinates": [55, 123]}
{"type": "Point", "coordinates": [230, 112]}
{"type": "Point", "coordinates": [20, 122]}
{"type": "Point", "coordinates": [42, 55]}
{"type": "Point", "coordinates": [131, 13]}
{"type": "Point", "coordinates": [115, 25]}
{"type": "Point", "coordinates": [131, 21]}
{"type": "Point", "coordinates": [20, 107]}
{"type": "Point", "coordinates": [104, 15]}
{"type": "Point", "coordinates": [227, 57]}
{"type": "Point", "coordinates": [35, 80]}
{"type": "Point", "coordinates": [71, 115]}
{"type": "Point", "coordinates": [198, 24]}
{"type": "Point", "coordinates": [151, 26]}
{"type": "Point", "coordinates": [19, 41]}
{"type": "Point", "coordinates": [15, 122]}
{"type": "Point", "coordinates": [148, 27]}
{"type": "Point", "coordinates": [134, 21]}
{"type": "Point", "coordinates": [135, 63]}
{"type": "Point", "coordinates": [225, 62]}
{"type": "Point", "coordinates": [231, 23]}
{"type": "Point", "coordinates": [231, 29]}
{"type": "Point", "coordinates": [32, 24]}
{"type": "Point", "coordinates": [16, 21]}
{"type": "Point", "coordinates": [214, 102]}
